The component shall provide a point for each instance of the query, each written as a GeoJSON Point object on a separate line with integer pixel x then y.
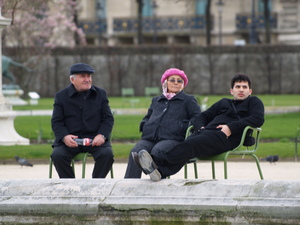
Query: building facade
{"type": "Point", "coordinates": [234, 22]}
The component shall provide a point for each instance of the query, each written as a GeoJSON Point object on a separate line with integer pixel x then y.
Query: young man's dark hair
{"type": "Point", "coordinates": [241, 77]}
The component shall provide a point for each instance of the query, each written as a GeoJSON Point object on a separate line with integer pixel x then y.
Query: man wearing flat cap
{"type": "Point", "coordinates": [81, 111]}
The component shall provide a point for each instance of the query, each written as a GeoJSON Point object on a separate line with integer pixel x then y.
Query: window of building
{"type": "Point", "coordinates": [147, 8]}
{"type": "Point", "coordinates": [200, 7]}
{"type": "Point", "coordinates": [101, 9]}
{"type": "Point", "coordinates": [261, 6]}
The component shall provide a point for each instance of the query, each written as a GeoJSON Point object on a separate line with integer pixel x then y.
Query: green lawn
{"type": "Point", "coordinates": [144, 102]}
{"type": "Point", "coordinates": [279, 127]}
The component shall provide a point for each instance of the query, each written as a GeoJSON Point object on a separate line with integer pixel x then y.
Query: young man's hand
{"type": "Point", "coordinates": [225, 129]}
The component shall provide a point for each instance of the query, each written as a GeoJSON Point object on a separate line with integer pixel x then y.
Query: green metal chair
{"type": "Point", "coordinates": [152, 91]}
{"type": "Point", "coordinates": [82, 157]}
{"type": "Point", "coordinates": [128, 96]}
{"type": "Point", "coordinates": [194, 161]}
{"type": "Point", "coordinates": [127, 92]}
{"type": "Point", "coordinates": [239, 150]}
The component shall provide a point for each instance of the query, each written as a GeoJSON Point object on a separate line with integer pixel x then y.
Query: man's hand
{"type": "Point", "coordinates": [68, 140]}
{"type": "Point", "coordinates": [98, 140]}
{"type": "Point", "coordinates": [225, 129]}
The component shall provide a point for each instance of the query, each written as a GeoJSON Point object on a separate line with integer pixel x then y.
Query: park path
{"type": "Point", "coordinates": [241, 170]}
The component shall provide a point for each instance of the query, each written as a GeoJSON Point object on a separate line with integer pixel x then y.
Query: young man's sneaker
{"type": "Point", "coordinates": [146, 162]}
{"type": "Point", "coordinates": [135, 158]}
{"type": "Point", "coordinates": [155, 175]}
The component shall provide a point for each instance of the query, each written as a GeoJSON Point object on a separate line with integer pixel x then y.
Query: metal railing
{"type": "Point", "coordinates": [244, 21]}
{"type": "Point", "coordinates": [170, 23]}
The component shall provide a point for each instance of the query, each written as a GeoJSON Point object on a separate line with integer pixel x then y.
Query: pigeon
{"type": "Point", "coordinates": [271, 158]}
{"type": "Point", "coordinates": [23, 162]}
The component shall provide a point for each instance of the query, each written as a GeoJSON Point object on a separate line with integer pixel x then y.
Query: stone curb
{"type": "Point", "coordinates": [129, 200]}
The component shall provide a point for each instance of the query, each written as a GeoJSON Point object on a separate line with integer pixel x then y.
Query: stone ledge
{"type": "Point", "coordinates": [133, 200]}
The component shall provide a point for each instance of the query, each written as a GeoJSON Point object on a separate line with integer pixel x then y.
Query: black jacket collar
{"type": "Point", "coordinates": [72, 91]}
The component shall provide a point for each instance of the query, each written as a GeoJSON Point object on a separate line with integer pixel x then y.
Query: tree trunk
{"type": "Point", "coordinates": [140, 22]}
{"type": "Point", "coordinates": [267, 21]}
{"type": "Point", "coordinates": [208, 22]}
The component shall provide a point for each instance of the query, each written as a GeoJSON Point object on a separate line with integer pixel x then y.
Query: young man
{"type": "Point", "coordinates": [81, 110]}
{"type": "Point", "coordinates": [216, 130]}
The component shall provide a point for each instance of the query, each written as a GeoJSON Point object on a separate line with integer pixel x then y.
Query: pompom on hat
{"type": "Point", "coordinates": [81, 68]}
{"type": "Point", "coordinates": [174, 71]}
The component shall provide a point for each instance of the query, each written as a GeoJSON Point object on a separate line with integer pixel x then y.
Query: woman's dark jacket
{"type": "Point", "coordinates": [169, 119]}
{"type": "Point", "coordinates": [250, 111]}
{"type": "Point", "coordinates": [83, 114]}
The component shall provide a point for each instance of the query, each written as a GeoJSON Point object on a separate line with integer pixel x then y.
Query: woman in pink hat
{"type": "Point", "coordinates": [168, 117]}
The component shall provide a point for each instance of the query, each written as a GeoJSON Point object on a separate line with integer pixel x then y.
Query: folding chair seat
{"type": "Point", "coordinates": [241, 149]}
{"type": "Point", "coordinates": [79, 157]}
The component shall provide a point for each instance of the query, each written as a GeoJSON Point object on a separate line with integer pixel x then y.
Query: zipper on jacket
{"type": "Point", "coordinates": [164, 113]}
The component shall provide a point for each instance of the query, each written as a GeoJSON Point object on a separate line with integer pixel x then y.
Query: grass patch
{"type": "Point", "coordinates": [279, 126]}
{"type": "Point", "coordinates": [144, 102]}
{"type": "Point", "coordinates": [34, 127]}
{"type": "Point", "coordinates": [283, 149]}
{"type": "Point", "coordinates": [126, 127]}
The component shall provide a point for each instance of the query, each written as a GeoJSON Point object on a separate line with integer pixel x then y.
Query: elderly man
{"type": "Point", "coordinates": [81, 110]}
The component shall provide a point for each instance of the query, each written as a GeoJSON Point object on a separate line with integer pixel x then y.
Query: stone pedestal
{"type": "Point", "coordinates": [13, 94]}
{"type": "Point", "coordinates": [8, 134]}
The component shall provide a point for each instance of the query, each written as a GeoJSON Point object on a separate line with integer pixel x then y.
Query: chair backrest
{"type": "Point", "coordinates": [127, 92]}
{"type": "Point", "coordinates": [152, 91]}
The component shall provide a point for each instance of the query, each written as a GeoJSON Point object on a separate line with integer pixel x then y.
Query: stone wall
{"type": "Point", "coordinates": [273, 69]}
{"type": "Point", "coordinates": [141, 201]}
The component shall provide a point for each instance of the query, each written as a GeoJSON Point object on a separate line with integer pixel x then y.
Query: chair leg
{"type": "Point", "coordinates": [258, 166]}
{"type": "Point", "coordinates": [111, 172]}
{"type": "Point", "coordinates": [83, 170]}
{"type": "Point", "coordinates": [73, 167]}
{"type": "Point", "coordinates": [84, 166]}
{"type": "Point", "coordinates": [50, 168]}
{"type": "Point", "coordinates": [196, 170]}
{"type": "Point", "coordinates": [213, 169]}
{"type": "Point", "coordinates": [185, 171]}
{"type": "Point", "coordinates": [225, 168]}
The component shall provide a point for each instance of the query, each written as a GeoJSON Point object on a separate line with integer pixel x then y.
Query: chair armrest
{"type": "Point", "coordinates": [189, 131]}
{"type": "Point", "coordinates": [256, 136]}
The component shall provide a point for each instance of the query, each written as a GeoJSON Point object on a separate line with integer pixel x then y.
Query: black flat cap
{"type": "Point", "coordinates": [81, 68]}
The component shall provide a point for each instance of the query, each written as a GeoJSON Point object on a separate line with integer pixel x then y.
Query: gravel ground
{"type": "Point", "coordinates": [245, 170]}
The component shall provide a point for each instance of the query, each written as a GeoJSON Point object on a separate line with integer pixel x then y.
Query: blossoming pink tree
{"type": "Point", "coordinates": [41, 23]}
{"type": "Point", "coordinates": [37, 28]}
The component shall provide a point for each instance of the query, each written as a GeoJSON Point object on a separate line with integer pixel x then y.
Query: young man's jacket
{"type": "Point", "coordinates": [250, 111]}
{"type": "Point", "coordinates": [169, 119]}
{"type": "Point", "coordinates": [85, 114]}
